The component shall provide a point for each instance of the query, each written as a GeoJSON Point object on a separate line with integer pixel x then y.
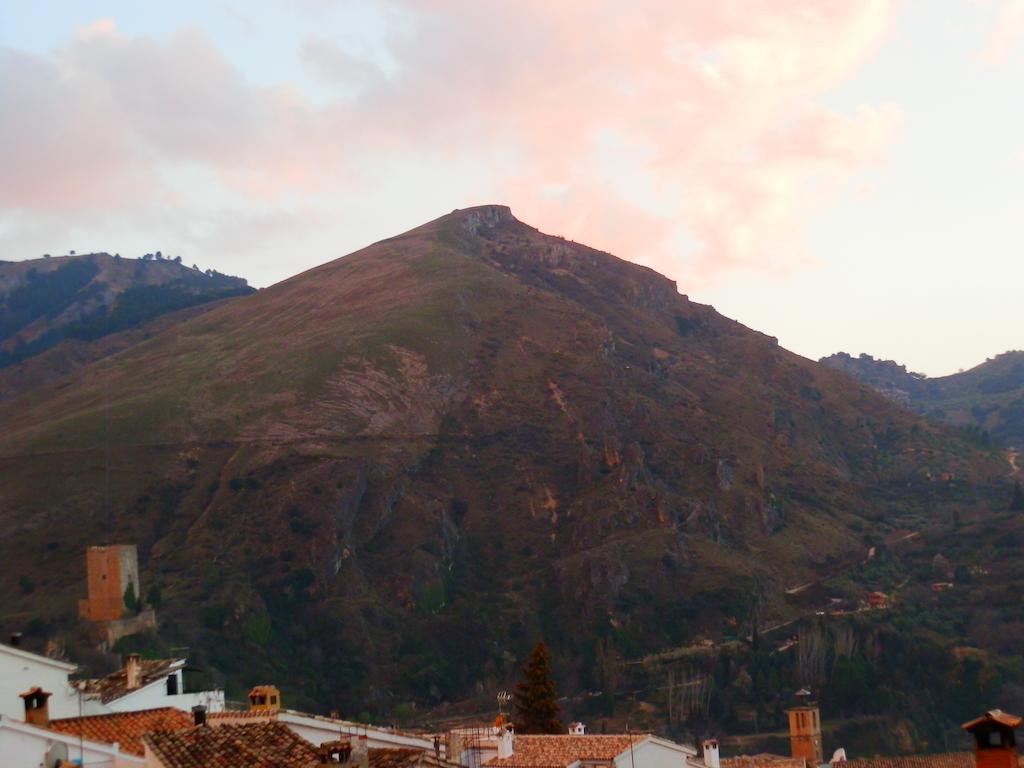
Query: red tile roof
{"type": "Point", "coordinates": [560, 751]}
{"type": "Point", "coordinates": [253, 745]}
{"type": "Point", "coordinates": [763, 760]}
{"type": "Point", "coordinates": [994, 715]}
{"type": "Point", "coordinates": [126, 728]}
{"type": "Point", "coordinates": [939, 760]}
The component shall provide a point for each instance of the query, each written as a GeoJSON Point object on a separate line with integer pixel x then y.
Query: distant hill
{"type": "Point", "coordinates": [988, 398]}
{"type": "Point", "coordinates": [377, 483]}
{"type": "Point", "coordinates": [86, 297]}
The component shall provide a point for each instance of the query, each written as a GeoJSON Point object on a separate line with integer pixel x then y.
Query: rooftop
{"type": "Point", "coordinates": [562, 750]}
{"type": "Point", "coordinates": [115, 685]}
{"type": "Point", "coordinates": [21, 653]}
{"type": "Point", "coordinates": [762, 760]}
{"type": "Point", "coordinates": [254, 745]}
{"type": "Point", "coordinates": [125, 728]}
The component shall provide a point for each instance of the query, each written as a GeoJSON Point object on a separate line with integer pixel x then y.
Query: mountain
{"type": "Point", "coordinates": [988, 398]}
{"type": "Point", "coordinates": [78, 299]}
{"type": "Point", "coordinates": [377, 483]}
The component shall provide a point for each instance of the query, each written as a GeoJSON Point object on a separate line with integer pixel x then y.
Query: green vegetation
{"type": "Point", "coordinates": [536, 702]}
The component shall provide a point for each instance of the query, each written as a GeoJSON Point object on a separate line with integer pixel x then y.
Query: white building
{"type": "Point", "coordinates": [21, 670]}
{"type": "Point", "coordinates": [140, 684]}
{"type": "Point", "coordinates": [148, 684]}
{"type": "Point", "coordinates": [623, 750]}
{"type": "Point", "coordinates": [318, 729]}
{"type": "Point", "coordinates": [28, 746]}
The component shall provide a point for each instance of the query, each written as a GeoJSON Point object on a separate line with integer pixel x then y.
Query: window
{"type": "Point", "coordinates": [172, 685]}
{"type": "Point", "coordinates": [995, 739]}
{"type": "Point", "coordinates": [273, 699]}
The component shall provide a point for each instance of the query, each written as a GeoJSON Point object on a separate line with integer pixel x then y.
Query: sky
{"type": "Point", "coordinates": [841, 175]}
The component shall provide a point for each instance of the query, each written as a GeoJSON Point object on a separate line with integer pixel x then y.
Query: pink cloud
{"type": "Point", "coordinates": [633, 127]}
{"type": "Point", "coordinates": [1007, 32]}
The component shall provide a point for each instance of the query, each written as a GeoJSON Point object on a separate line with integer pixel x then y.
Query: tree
{"type": "Point", "coordinates": [131, 600]}
{"type": "Point", "coordinates": [1017, 504]}
{"type": "Point", "coordinates": [535, 699]}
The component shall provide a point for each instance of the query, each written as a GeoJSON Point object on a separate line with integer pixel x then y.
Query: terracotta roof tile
{"type": "Point", "coordinates": [115, 685]}
{"type": "Point", "coordinates": [253, 745]}
{"type": "Point", "coordinates": [763, 760]}
{"type": "Point", "coordinates": [560, 751]}
{"type": "Point", "coordinates": [940, 760]}
{"type": "Point", "coordinates": [994, 715]}
{"type": "Point", "coordinates": [126, 728]}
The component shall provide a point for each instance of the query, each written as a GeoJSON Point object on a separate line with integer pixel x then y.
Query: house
{"type": "Point", "coordinates": [878, 600]}
{"type": "Point", "coordinates": [29, 746]}
{"type": "Point", "coordinates": [623, 750]}
{"type": "Point", "coordinates": [265, 706]}
{"type": "Point", "coordinates": [995, 746]}
{"type": "Point", "coordinates": [124, 728]}
{"type": "Point", "coordinates": [248, 745]}
{"type": "Point", "coordinates": [252, 744]}
{"type": "Point", "coordinates": [34, 741]}
{"type": "Point", "coordinates": [148, 684]}
{"type": "Point", "coordinates": [21, 670]}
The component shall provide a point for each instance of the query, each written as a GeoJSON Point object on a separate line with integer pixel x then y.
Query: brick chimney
{"type": "Point", "coordinates": [711, 753]}
{"type": "Point", "coordinates": [132, 671]}
{"type": "Point", "coordinates": [995, 745]}
{"type": "Point", "coordinates": [37, 710]}
{"type": "Point", "coordinates": [334, 752]}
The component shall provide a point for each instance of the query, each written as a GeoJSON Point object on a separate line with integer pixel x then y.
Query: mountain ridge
{"type": "Point", "coordinates": [407, 463]}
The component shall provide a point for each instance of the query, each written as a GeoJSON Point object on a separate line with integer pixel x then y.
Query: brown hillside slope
{"type": "Point", "coordinates": [383, 478]}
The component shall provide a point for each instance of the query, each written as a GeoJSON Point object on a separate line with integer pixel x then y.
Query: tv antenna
{"type": "Point", "coordinates": [504, 697]}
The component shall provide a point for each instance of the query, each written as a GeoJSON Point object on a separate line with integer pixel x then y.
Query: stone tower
{"type": "Point", "coordinates": [109, 571]}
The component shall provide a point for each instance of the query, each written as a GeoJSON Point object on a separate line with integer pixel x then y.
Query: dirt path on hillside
{"type": "Point", "coordinates": [1011, 457]}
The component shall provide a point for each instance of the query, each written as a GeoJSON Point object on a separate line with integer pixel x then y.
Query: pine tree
{"type": "Point", "coordinates": [1018, 498]}
{"type": "Point", "coordinates": [535, 699]}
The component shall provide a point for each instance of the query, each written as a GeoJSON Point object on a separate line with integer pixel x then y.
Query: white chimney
{"type": "Point", "coordinates": [711, 753]}
{"type": "Point", "coordinates": [577, 729]}
{"type": "Point", "coordinates": [133, 671]}
{"type": "Point", "coordinates": [505, 742]}
{"type": "Point", "coordinates": [361, 752]}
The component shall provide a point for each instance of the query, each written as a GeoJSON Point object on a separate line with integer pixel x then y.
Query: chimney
{"type": "Point", "coordinates": [37, 710]}
{"type": "Point", "coordinates": [133, 671]}
{"type": "Point", "coordinates": [361, 753]}
{"type": "Point", "coordinates": [16, 639]}
{"type": "Point", "coordinates": [454, 748]}
{"type": "Point", "coordinates": [334, 752]}
{"type": "Point", "coordinates": [711, 753]}
{"type": "Point", "coordinates": [506, 742]}
{"type": "Point", "coordinates": [995, 744]}
{"type": "Point", "coordinates": [577, 729]}
{"type": "Point", "coordinates": [199, 714]}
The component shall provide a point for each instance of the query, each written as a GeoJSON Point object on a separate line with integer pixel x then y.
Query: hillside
{"type": "Point", "coordinates": [988, 398]}
{"type": "Point", "coordinates": [378, 482]}
{"type": "Point", "coordinates": [44, 302]}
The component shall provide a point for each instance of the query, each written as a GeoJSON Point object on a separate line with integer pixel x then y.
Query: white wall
{"type": "Point", "coordinates": [320, 729]}
{"type": "Point", "coordinates": [650, 752]}
{"type": "Point", "coordinates": [24, 746]}
{"type": "Point", "coordinates": [155, 695]}
{"type": "Point", "coordinates": [21, 670]}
